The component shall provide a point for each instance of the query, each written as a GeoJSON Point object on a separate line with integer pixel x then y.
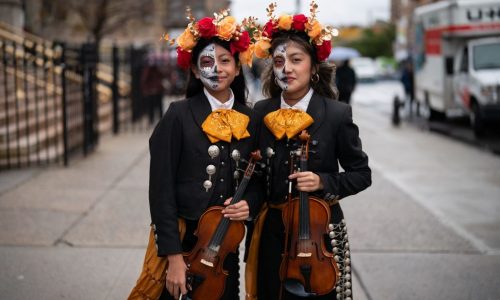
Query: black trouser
{"type": "Point", "coordinates": [155, 106]}
{"type": "Point", "coordinates": [271, 248]}
{"type": "Point", "coordinates": [345, 96]}
{"type": "Point", "coordinates": [231, 264]}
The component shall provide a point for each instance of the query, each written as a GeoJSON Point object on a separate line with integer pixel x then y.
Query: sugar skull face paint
{"type": "Point", "coordinates": [207, 64]}
{"type": "Point", "coordinates": [279, 63]}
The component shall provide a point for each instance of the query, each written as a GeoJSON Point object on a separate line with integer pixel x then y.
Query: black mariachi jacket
{"type": "Point", "coordinates": [334, 140]}
{"type": "Point", "coordinates": [179, 159]}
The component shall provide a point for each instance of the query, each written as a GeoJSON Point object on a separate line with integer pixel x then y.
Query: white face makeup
{"type": "Point", "coordinates": [279, 62]}
{"type": "Point", "coordinates": [207, 64]}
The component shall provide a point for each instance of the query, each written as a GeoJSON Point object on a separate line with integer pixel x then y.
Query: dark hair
{"type": "Point", "coordinates": [325, 86]}
{"type": "Point", "coordinates": [195, 86]}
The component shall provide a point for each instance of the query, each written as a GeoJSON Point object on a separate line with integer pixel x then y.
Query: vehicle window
{"type": "Point", "coordinates": [486, 56]}
{"type": "Point", "coordinates": [464, 64]}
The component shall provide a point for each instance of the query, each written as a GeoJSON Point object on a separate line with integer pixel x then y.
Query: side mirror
{"type": "Point", "coordinates": [449, 65]}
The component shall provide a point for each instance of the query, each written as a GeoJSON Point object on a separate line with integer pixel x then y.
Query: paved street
{"type": "Point", "coordinates": [428, 228]}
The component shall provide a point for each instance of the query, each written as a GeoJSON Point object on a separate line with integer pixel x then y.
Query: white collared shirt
{"type": "Point", "coordinates": [216, 104]}
{"type": "Point", "coordinates": [303, 103]}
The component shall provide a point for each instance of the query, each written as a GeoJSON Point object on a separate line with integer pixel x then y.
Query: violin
{"type": "Point", "coordinates": [307, 268]}
{"type": "Point", "coordinates": [217, 237]}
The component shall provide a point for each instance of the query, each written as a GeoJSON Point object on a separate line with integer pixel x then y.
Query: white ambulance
{"type": "Point", "coordinates": [457, 60]}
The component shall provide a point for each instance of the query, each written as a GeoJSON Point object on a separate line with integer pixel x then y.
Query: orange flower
{"type": "Point", "coordinates": [186, 40]}
{"type": "Point", "coordinates": [285, 22]}
{"type": "Point", "coordinates": [314, 29]}
{"type": "Point", "coordinates": [246, 56]}
{"type": "Point", "coordinates": [226, 28]}
{"type": "Point", "coordinates": [261, 48]}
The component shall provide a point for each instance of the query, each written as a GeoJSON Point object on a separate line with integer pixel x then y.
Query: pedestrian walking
{"type": "Point", "coordinates": [407, 80]}
{"type": "Point", "coordinates": [198, 148]}
{"type": "Point", "coordinates": [302, 98]}
{"type": "Point", "coordinates": [152, 89]}
{"type": "Point", "coordinates": [346, 81]}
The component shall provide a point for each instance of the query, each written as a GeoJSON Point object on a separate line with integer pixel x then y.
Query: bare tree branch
{"type": "Point", "coordinates": [102, 17]}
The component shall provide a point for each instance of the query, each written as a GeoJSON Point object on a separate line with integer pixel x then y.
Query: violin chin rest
{"type": "Point", "coordinates": [295, 287]}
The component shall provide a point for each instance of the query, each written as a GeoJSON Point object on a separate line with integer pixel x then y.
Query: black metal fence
{"type": "Point", "coordinates": [56, 99]}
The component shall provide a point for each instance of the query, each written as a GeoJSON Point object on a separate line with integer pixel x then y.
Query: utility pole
{"type": "Point", "coordinates": [297, 5]}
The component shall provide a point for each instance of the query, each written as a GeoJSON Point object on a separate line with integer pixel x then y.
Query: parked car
{"type": "Point", "coordinates": [365, 68]}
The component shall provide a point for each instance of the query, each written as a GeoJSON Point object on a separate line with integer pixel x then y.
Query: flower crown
{"type": "Point", "coordinates": [222, 26]}
{"type": "Point", "coordinates": [319, 36]}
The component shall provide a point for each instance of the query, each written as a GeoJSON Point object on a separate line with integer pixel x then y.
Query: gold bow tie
{"type": "Point", "coordinates": [289, 121]}
{"type": "Point", "coordinates": [222, 124]}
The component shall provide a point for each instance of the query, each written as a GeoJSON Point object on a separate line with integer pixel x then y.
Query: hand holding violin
{"type": "Point", "coordinates": [238, 211]}
{"type": "Point", "coordinates": [307, 181]}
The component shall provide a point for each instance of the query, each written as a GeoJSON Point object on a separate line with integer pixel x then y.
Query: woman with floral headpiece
{"type": "Point", "coordinates": [299, 84]}
{"type": "Point", "coordinates": [198, 147]}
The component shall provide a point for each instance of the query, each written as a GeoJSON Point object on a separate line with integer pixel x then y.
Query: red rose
{"type": "Point", "coordinates": [206, 28]}
{"type": "Point", "coordinates": [299, 22]}
{"type": "Point", "coordinates": [183, 58]}
{"type": "Point", "coordinates": [269, 29]}
{"type": "Point", "coordinates": [241, 44]}
{"type": "Point", "coordinates": [323, 50]}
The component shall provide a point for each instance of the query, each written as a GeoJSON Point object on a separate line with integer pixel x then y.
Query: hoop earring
{"type": "Point", "coordinates": [315, 78]}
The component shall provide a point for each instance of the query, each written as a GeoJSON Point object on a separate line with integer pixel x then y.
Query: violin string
{"type": "Point", "coordinates": [220, 232]}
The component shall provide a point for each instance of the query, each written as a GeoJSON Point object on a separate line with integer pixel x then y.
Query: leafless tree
{"type": "Point", "coordinates": [102, 17]}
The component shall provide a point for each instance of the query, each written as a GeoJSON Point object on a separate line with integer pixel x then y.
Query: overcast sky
{"type": "Point", "coordinates": [332, 12]}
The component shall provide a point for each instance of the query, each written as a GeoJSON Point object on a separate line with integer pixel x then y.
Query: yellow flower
{"type": "Point", "coordinates": [186, 40]}
{"type": "Point", "coordinates": [285, 22]}
{"type": "Point", "coordinates": [246, 56]}
{"type": "Point", "coordinates": [262, 48]}
{"type": "Point", "coordinates": [314, 29]}
{"type": "Point", "coordinates": [226, 28]}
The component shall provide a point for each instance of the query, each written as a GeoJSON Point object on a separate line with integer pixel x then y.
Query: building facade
{"type": "Point", "coordinates": [58, 19]}
{"type": "Point", "coordinates": [402, 18]}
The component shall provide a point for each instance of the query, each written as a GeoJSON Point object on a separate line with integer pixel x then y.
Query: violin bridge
{"type": "Point", "coordinates": [207, 263]}
{"type": "Point", "coordinates": [302, 254]}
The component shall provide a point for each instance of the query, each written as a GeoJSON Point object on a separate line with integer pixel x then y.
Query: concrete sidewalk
{"type": "Point", "coordinates": [80, 232]}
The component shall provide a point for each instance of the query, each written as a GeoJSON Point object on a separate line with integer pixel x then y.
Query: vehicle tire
{"type": "Point", "coordinates": [435, 115]}
{"type": "Point", "coordinates": [477, 119]}
{"type": "Point", "coordinates": [426, 111]}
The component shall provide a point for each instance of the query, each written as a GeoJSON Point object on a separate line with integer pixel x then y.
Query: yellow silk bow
{"type": "Point", "coordinates": [222, 124]}
{"type": "Point", "coordinates": [289, 121]}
